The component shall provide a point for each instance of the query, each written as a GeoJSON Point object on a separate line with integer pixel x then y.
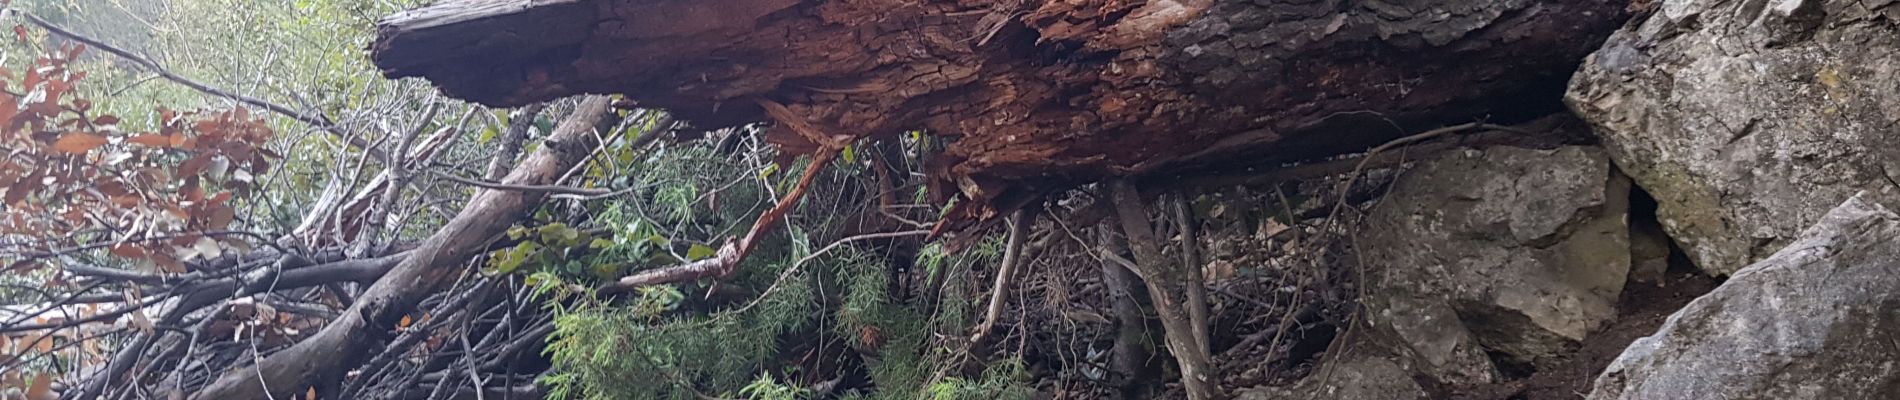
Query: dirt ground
{"type": "Point", "coordinates": [1644, 308]}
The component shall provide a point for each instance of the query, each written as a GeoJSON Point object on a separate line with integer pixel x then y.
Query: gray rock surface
{"type": "Point", "coordinates": [1748, 119]}
{"type": "Point", "coordinates": [1516, 251]}
{"type": "Point", "coordinates": [1819, 319]}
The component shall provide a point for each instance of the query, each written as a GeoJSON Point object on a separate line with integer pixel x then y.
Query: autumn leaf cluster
{"type": "Point", "coordinates": [159, 196]}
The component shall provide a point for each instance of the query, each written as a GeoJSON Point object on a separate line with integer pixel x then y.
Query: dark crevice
{"type": "Point", "coordinates": [1311, 341]}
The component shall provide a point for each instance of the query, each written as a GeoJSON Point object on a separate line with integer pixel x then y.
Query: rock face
{"type": "Point", "coordinates": [1748, 119]}
{"type": "Point", "coordinates": [1815, 320]}
{"type": "Point", "coordinates": [1514, 251]}
{"type": "Point", "coordinates": [1480, 261]}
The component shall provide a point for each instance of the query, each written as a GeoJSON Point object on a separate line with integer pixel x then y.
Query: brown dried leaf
{"type": "Point", "coordinates": [167, 262]}
{"type": "Point", "coordinates": [43, 343]}
{"type": "Point", "coordinates": [79, 142]}
{"type": "Point", "coordinates": [151, 140]}
{"type": "Point", "coordinates": [9, 107]}
{"type": "Point", "coordinates": [42, 386]}
{"type": "Point", "coordinates": [127, 250]}
{"type": "Point", "coordinates": [220, 217]}
{"type": "Point", "coordinates": [192, 166]}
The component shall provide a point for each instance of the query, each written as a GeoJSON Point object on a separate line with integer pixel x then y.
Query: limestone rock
{"type": "Point", "coordinates": [1513, 251]}
{"type": "Point", "coordinates": [1815, 320]}
{"type": "Point", "coordinates": [1747, 120]}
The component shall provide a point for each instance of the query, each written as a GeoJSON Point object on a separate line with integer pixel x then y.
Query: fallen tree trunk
{"type": "Point", "coordinates": [321, 360]}
{"type": "Point", "coordinates": [1038, 94]}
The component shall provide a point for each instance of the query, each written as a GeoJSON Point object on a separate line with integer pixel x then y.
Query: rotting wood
{"type": "Point", "coordinates": [1039, 95]}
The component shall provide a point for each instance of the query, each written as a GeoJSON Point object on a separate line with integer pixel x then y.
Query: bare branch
{"type": "Point", "coordinates": [1012, 255]}
{"type": "Point", "coordinates": [554, 189]}
{"type": "Point", "coordinates": [316, 361]}
{"type": "Point", "coordinates": [511, 139]}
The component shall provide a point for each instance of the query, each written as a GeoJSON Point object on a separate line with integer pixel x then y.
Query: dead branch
{"type": "Point", "coordinates": [550, 189]}
{"type": "Point", "coordinates": [195, 293]}
{"type": "Point", "coordinates": [718, 265]}
{"type": "Point", "coordinates": [1167, 288]}
{"type": "Point", "coordinates": [409, 338]}
{"type": "Point", "coordinates": [731, 253]}
{"type": "Point", "coordinates": [510, 140]}
{"type": "Point", "coordinates": [1132, 360]}
{"type": "Point", "coordinates": [1012, 255]}
{"type": "Point", "coordinates": [358, 215]}
{"type": "Point", "coordinates": [1191, 261]}
{"type": "Point", "coordinates": [317, 361]}
{"type": "Point", "coordinates": [103, 244]}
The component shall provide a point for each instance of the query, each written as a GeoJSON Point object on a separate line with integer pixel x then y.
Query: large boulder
{"type": "Point", "coordinates": [1748, 119]}
{"type": "Point", "coordinates": [1480, 261]}
{"type": "Point", "coordinates": [1816, 320]}
{"type": "Point", "coordinates": [1508, 251]}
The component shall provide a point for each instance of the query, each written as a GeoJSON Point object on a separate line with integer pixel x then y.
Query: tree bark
{"type": "Point", "coordinates": [323, 358]}
{"type": "Point", "coordinates": [1133, 359]}
{"type": "Point", "coordinates": [1191, 266]}
{"type": "Point", "coordinates": [511, 139]}
{"type": "Point", "coordinates": [1039, 94]}
{"type": "Point", "coordinates": [1168, 288]}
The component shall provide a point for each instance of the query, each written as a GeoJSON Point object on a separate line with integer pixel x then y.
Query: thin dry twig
{"type": "Point", "coordinates": [554, 189]}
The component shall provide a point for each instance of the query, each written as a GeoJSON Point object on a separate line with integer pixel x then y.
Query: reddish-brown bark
{"type": "Point", "coordinates": [1035, 94]}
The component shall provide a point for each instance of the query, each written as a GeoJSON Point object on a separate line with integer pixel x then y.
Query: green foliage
{"type": "Point", "coordinates": [656, 226]}
{"type": "Point", "coordinates": [661, 343]}
{"type": "Point", "coordinates": [634, 352]}
{"type": "Point", "coordinates": [651, 346]}
{"type": "Point", "coordinates": [552, 246]}
{"type": "Point", "coordinates": [1003, 380]}
{"type": "Point", "coordinates": [765, 388]}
